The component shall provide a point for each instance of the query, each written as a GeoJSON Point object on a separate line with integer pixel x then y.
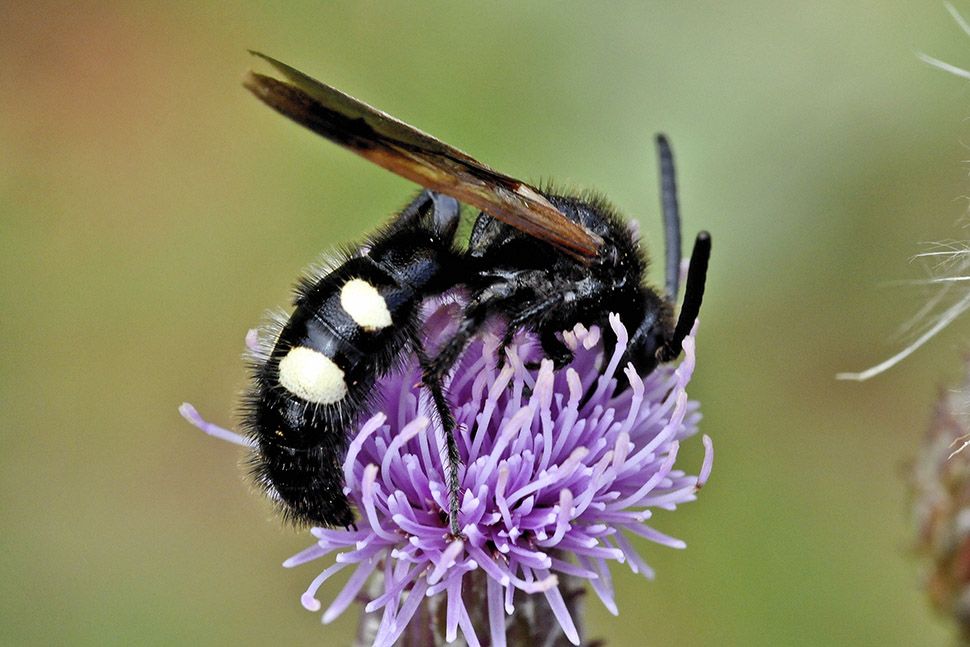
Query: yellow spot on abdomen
{"type": "Point", "coordinates": [365, 305]}
{"type": "Point", "coordinates": [313, 376]}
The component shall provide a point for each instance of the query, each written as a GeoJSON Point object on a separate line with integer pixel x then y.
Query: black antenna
{"type": "Point", "coordinates": [671, 216]}
{"type": "Point", "coordinates": [699, 258]}
{"type": "Point", "coordinates": [693, 295]}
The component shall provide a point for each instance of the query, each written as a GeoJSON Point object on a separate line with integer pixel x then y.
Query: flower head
{"type": "Point", "coordinates": [939, 499]}
{"type": "Point", "coordinates": [557, 470]}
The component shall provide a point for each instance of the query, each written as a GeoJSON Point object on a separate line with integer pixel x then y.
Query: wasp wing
{"type": "Point", "coordinates": [417, 156]}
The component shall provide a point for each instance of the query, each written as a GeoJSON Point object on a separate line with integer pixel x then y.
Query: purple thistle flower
{"type": "Point", "coordinates": [555, 468]}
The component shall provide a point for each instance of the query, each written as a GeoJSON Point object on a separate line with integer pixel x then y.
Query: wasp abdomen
{"type": "Point", "coordinates": [349, 328]}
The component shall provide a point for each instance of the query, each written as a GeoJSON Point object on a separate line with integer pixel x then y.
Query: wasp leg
{"type": "Point", "coordinates": [444, 219]}
{"type": "Point", "coordinates": [475, 316]}
{"type": "Point", "coordinates": [552, 347]}
{"type": "Point", "coordinates": [433, 372]}
{"type": "Point", "coordinates": [448, 425]}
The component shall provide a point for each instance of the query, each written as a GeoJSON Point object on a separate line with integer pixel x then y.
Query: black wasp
{"type": "Point", "coordinates": [538, 260]}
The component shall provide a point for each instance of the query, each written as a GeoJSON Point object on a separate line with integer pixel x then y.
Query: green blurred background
{"type": "Point", "coordinates": [151, 210]}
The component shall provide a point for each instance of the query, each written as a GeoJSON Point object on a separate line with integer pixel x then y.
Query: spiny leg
{"type": "Point", "coordinates": [473, 318]}
{"type": "Point", "coordinates": [448, 426]}
{"type": "Point", "coordinates": [433, 372]}
{"type": "Point", "coordinates": [552, 347]}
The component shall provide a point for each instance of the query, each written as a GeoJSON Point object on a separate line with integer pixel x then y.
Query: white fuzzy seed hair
{"type": "Point", "coordinates": [312, 376]}
{"type": "Point", "coordinates": [949, 274]}
{"type": "Point", "coordinates": [365, 305]}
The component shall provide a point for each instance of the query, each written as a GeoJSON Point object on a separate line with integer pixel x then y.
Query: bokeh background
{"type": "Point", "coordinates": [151, 210]}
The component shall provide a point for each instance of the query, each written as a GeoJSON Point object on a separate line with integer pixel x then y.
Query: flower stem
{"type": "Point", "coordinates": [532, 623]}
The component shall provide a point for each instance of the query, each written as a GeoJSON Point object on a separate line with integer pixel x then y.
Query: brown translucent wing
{"type": "Point", "coordinates": [417, 156]}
